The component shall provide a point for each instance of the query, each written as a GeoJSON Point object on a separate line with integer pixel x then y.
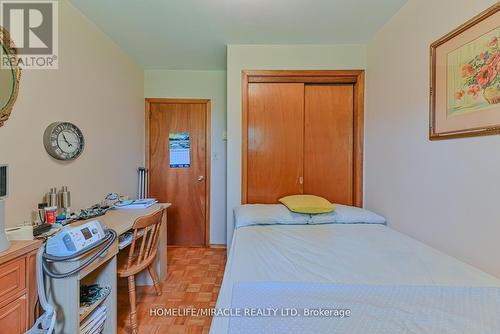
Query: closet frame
{"type": "Point", "coordinates": [354, 77]}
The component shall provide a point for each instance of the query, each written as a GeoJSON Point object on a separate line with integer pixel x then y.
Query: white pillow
{"type": "Point", "coordinates": [345, 214]}
{"type": "Point", "coordinates": [267, 214]}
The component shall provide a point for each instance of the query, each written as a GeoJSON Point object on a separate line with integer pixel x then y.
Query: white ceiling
{"type": "Point", "coordinates": [193, 34]}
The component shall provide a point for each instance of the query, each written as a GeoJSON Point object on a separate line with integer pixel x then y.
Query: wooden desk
{"type": "Point", "coordinates": [64, 293]}
{"type": "Point", "coordinates": [121, 220]}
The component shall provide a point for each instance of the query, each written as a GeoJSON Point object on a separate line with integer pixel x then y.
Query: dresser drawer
{"type": "Point", "coordinates": [12, 278]}
{"type": "Point", "coordinates": [13, 317]}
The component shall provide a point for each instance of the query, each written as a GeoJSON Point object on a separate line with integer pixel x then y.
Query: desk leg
{"type": "Point", "coordinates": [162, 250]}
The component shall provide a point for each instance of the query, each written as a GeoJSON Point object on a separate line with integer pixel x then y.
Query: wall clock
{"type": "Point", "coordinates": [63, 141]}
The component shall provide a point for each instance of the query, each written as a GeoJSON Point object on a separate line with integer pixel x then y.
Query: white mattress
{"type": "Point", "coordinates": [336, 253]}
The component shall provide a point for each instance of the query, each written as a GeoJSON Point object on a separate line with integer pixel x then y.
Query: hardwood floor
{"type": "Point", "coordinates": [194, 279]}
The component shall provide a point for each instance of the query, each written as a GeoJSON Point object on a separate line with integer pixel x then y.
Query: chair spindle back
{"type": "Point", "coordinates": [146, 229]}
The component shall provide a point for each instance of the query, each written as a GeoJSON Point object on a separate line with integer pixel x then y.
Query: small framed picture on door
{"type": "Point", "coordinates": [465, 79]}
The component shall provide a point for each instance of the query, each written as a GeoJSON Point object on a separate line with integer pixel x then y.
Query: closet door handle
{"type": "Point", "coordinates": [301, 180]}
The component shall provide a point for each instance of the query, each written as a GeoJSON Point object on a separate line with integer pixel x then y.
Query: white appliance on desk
{"type": "Point", "coordinates": [84, 245]}
{"type": "Point", "coordinates": [4, 175]}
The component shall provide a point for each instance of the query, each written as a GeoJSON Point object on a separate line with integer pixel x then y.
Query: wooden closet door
{"type": "Point", "coordinates": [329, 118]}
{"type": "Point", "coordinates": [275, 141]}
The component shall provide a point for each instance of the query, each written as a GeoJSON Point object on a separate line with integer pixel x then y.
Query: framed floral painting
{"type": "Point", "coordinates": [465, 79]}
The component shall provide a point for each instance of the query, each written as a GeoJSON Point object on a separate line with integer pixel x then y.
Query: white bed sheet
{"type": "Point", "coordinates": [336, 253]}
{"type": "Point", "coordinates": [373, 309]}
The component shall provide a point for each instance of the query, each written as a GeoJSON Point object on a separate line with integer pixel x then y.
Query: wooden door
{"type": "Point", "coordinates": [275, 141]}
{"type": "Point", "coordinates": [327, 151]}
{"type": "Point", "coordinates": [329, 131]}
{"type": "Point", "coordinates": [172, 181]}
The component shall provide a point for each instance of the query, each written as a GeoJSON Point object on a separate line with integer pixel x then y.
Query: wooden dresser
{"type": "Point", "coordinates": [18, 290]}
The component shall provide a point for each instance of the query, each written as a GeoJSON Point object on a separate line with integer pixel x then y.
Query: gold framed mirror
{"type": "Point", "coordinates": [10, 75]}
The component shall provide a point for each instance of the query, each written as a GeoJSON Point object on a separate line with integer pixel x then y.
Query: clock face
{"type": "Point", "coordinates": [63, 141]}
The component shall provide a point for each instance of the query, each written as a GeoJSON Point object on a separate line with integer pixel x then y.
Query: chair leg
{"type": "Point", "coordinates": [155, 279]}
{"type": "Point", "coordinates": [133, 311]}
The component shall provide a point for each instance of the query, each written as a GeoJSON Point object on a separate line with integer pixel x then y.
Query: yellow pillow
{"type": "Point", "coordinates": [307, 204]}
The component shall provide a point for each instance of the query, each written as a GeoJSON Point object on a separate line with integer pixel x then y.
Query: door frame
{"type": "Point", "coordinates": [208, 120]}
{"type": "Point", "coordinates": [355, 77]}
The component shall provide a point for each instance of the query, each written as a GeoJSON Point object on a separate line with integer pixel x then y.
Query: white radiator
{"type": "Point", "coordinates": [142, 188]}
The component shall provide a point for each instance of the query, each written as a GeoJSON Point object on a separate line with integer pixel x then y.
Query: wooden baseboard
{"type": "Point", "coordinates": [220, 246]}
{"type": "Point", "coordinates": [186, 246]}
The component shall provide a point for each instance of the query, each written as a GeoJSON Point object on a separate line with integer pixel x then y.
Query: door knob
{"type": "Point", "coordinates": [201, 178]}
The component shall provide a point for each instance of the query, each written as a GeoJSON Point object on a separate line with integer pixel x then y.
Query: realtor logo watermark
{"type": "Point", "coordinates": [33, 27]}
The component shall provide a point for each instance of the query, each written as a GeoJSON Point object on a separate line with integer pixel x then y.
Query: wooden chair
{"type": "Point", "coordinates": [146, 231]}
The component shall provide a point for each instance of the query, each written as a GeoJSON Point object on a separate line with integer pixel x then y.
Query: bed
{"type": "Point", "coordinates": [278, 261]}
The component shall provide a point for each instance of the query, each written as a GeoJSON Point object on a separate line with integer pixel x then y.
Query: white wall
{"type": "Point", "coordinates": [443, 193]}
{"type": "Point", "coordinates": [201, 85]}
{"type": "Point", "coordinates": [98, 88]}
{"type": "Point", "coordinates": [272, 57]}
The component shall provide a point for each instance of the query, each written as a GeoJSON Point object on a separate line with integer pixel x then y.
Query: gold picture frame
{"type": "Point", "coordinates": [465, 79]}
{"type": "Point", "coordinates": [9, 50]}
